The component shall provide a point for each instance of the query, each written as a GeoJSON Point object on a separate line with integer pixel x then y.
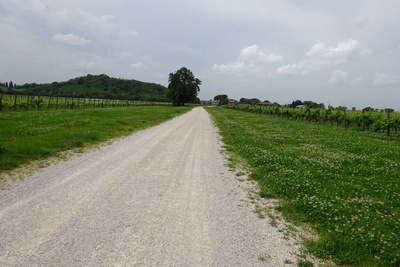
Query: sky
{"type": "Point", "coordinates": [340, 53]}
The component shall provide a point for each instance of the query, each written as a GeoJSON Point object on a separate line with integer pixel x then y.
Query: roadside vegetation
{"type": "Point", "coordinates": [28, 136]}
{"type": "Point", "coordinates": [345, 184]}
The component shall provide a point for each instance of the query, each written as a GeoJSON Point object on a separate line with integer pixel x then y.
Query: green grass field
{"type": "Point", "coordinates": [27, 136]}
{"type": "Point", "coordinates": [345, 184]}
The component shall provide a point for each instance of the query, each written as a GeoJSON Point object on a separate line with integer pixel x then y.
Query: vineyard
{"type": "Point", "coordinates": [27, 102]}
{"type": "Point", "coordinates": [385, 122]}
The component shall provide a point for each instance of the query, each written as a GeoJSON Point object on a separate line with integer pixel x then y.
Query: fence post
{"type": "Point", "coordinates": [72, 101]}
{"type": "Point", "coordinates": [388, 122]}
{"type": "Point", "coordinates": [344, 118]}
{"type": "Point", "coordinates": [1, 102]}
{"type": "Point", "coordinates": [363, 119]}
{"type": "Point", "coordinates": [31, 103]}
{"type": "Point", "coordinates": [15, 102]}
{"type": "Point", "coordinates": [27, 103]}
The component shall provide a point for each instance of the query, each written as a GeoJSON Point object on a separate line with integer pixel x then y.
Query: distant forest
{"type": "Point", "coordinates": [95, 86]}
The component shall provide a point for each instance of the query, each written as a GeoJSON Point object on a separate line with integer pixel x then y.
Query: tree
{"type": "Point", "coordinates": [243, 101]}
{"type": "Point", "coordinates": [183, 87]}
{"type": "Point", "coordinates": [255, 101]}
{"type": "Point", "coordinates": [249, 101]}
{"type": "Point", "coordinates": [10, 84]}
{"type": "Point", "coordinates": [222, 99]}
{"type": "Point", "coordinates": [296, 103]}
{"type": "Point", "coordinates": [310, 104]}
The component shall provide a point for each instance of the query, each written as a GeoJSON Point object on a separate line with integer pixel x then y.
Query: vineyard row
{"type": "Point", "coordinates": [27, 102]}
{"type": "Point", "coordinates": [385, 122]}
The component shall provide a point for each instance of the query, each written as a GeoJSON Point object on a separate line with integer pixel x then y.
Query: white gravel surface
{"type": "Point", "coordinates": [160, 197]}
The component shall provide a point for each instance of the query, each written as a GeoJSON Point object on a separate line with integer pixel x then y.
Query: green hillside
{"type": "Point", "coordinates": [97, 86]}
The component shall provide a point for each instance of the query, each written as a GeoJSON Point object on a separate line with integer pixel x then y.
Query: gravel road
{"type": "Point", "coordinates": [160, 197]}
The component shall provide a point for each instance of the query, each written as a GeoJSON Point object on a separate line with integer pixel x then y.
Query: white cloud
{"type": "Point", "coordinates": [347, 50]}
{"type": "Point", "coordinates": [250, 60]}
{"type": "Point", "coordinates": [235, 67]}
{"type": "Point", "coordinates": [70, 39]}
{"type": "Point", "coordinates": [253, 54]}
{"type": "Point", "coordinates": [321, 56]}
{"type": "Point", "coordinates": [139, 65]}
{"type": "Point", "coordinates": [337, 76]}
{"type": "Point", "coordinates": [289, 69]}
{"type": "Point", "coordinates": [385, 79]}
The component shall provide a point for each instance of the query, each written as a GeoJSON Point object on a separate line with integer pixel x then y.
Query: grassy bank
{"type": "Point", "coordinates": [27, 136]}
{"type": "Point", "coordinates": [344, 183]}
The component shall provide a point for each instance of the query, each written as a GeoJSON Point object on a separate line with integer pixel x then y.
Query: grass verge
{"type": "Point", "coordinates": [345, 184]}
{"type": "Point", "coordinates": [28, 136]}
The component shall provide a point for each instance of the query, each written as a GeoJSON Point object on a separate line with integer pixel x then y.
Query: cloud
{"type": "Point", "coordinates": [321, 56]}
{"type": "Point", "coordinates": [250, 60]}
{"type": "Point", "coordinates": [31, 5]}
{"type": "Point", "coordinates": [86, 66]}
{"type": "Point", "coordinates": [139, 65]}
{"type": "Point", "coordinates": [235, 67]}
{"type": "Point", "coordinates": [337, 76]}
{"type": "Point", "coordinates": [360, 22]}
{"type": "Point", "coordinates": [253, 54]}
{"type": "Point", "coordinates": [356, 80]}
{"type": "Point", "coordinates": [78, 20]}
{"type": "Point", "coordinates": [70, 39]}
{"type": "Point", "coordinates": [383, 80]}
{"type": "Point", "coordinates": [289, 69]}
{"type": "Point", "coordinates": [129, 33]}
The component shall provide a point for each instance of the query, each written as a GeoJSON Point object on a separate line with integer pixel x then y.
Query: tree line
{"type": "Point", "coordinates": [9, 85]}
{"type": "Point", "coordinates": [183, 88]}
{"type": "Point", "coordinates": [95, 86]}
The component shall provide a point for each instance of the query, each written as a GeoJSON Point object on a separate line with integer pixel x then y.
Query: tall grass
{"type": "Point", "coordinates": [27, 136]}
{"type": "Point", "coordinates": [344, 183]}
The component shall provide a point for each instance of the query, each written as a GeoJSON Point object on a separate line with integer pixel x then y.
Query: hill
{"type": "Point", "coordinates": [97, 86]}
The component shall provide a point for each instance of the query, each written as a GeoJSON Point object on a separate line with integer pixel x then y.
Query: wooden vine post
{"type": "Point", "coordinates": [15, 102]}
{"type": "Point", "coordinates": [363, 119]}
{"type": "Point", "coordinates": [388, 122]}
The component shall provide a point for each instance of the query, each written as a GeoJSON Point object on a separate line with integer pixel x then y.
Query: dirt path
{"type": "Point", "coordinates": [161, 197]}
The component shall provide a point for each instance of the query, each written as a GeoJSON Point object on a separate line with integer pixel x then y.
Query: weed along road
{"type": "Point", "coordinates": [160, 197]}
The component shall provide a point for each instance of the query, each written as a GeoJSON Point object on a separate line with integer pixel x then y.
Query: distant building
{"type": "Point", "coordinates": [209, 102]}
{"type": "Point", "coordinates": [232, 102]}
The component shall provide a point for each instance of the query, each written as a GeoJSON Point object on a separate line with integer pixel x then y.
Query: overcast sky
{"type": "Point", "coordinates": [334, 52]}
